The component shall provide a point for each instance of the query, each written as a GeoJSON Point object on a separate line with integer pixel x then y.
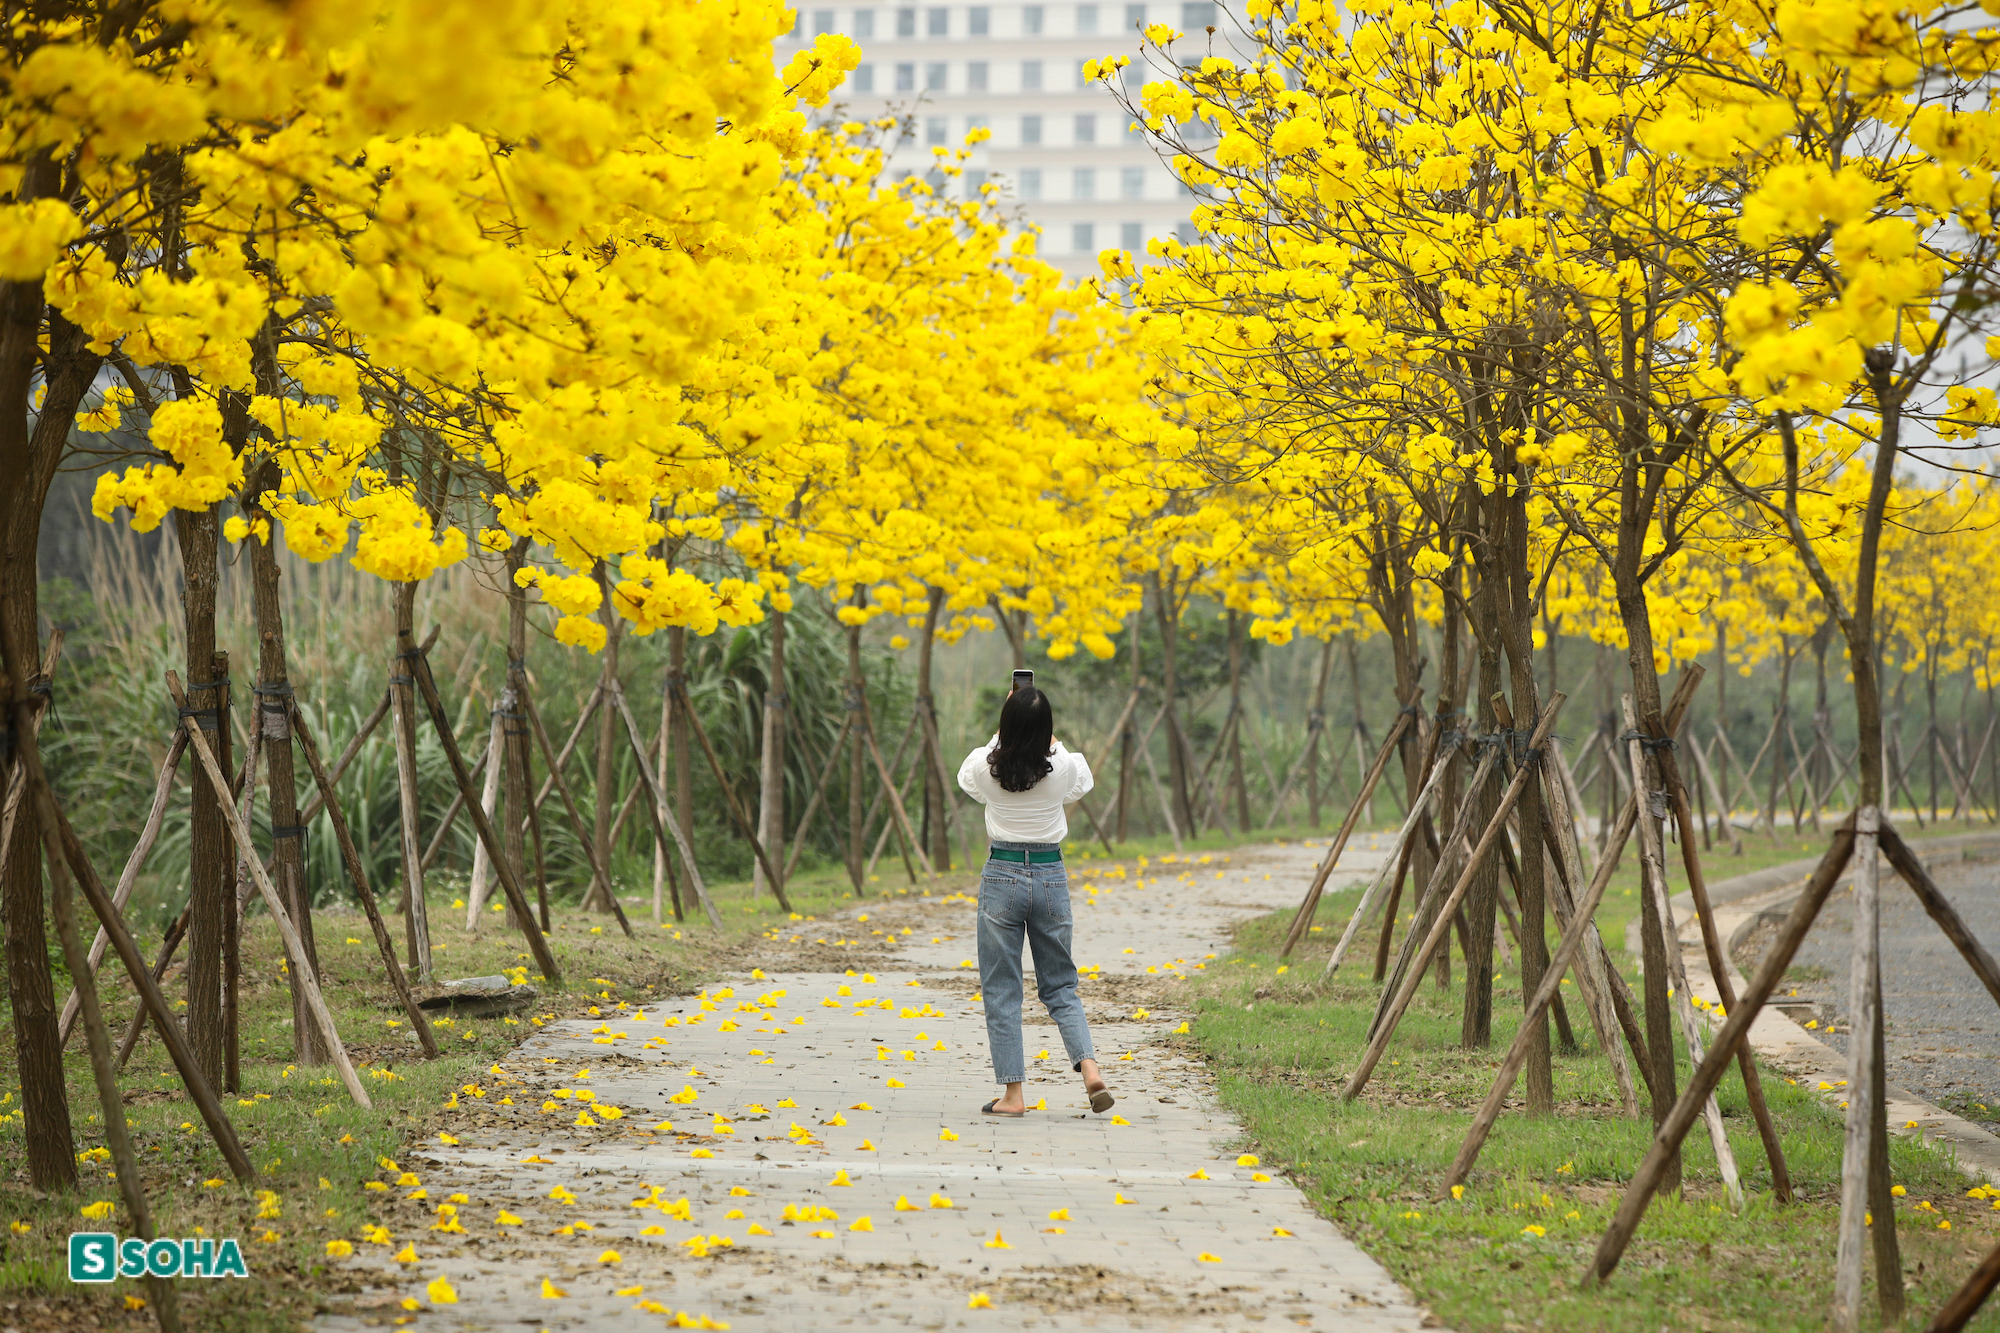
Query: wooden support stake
{"type": "Point", "coordinates": [129, 877]}
{"type": "Point", "coordinates": [1864, 1006]}
{"type": "Point", "coordinates": [1719, 967]}
{"type": "Point", "coordinates": [295, 952]}
{"type": "Point", "coordinates": [350, 856]}
{"type": "Point", "coordinates": [896, 809]}
{"type": "Point", "coordinates": [1398, 860]}
{"type": "Point", "coordinates": [125, 1162]}
{"type": "Point", "coordinates": [664, 824]}
{"type": "Point", "coordinates": [450, 820]}
{"type": "Point", "coordinates": [598, 874]}
{"type": "Point", "coordinates": [1517, 1054]}
{"type": "Point", "coordinates": [127, 949]}
{"type": "Point", "coordinates": [818, 794]}
{"type": "Point", "coordinates": [175, 934]}
{"type": "Point", "coordinates": [1721, 1052]}
{"type": "Point", "coordinates": [1906, 864]}
{"type": "Point", "coordinates": [538, 947]}
{"type": "Point", "coordinates": [1523, 774]}
{"type": "Point", "coordinates": [1302, 919]}
{"type": "Point", "coordinates": [1445, 855]}
{"type": "Point", "coordinates": [1957, 1312]}
{"type": "Point", "coordinates": [1653, 881]}
{"type": "Point", "coordinates": [735, 807]}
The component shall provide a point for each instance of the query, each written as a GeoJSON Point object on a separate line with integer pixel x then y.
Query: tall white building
{"type": "Point", "coordinates": [1061, 149]}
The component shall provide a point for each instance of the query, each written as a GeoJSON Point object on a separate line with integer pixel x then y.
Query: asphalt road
{"type": "Point", "coordinates": [1942, 1028]}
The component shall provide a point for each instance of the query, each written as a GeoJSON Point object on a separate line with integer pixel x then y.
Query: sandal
{"type": "Point", "coordinates": [1100, 1098]}
{"type": "Point", "coordinates": [1011, 1115]}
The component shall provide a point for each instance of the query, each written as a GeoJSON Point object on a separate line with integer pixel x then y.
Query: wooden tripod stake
{"type": "Point", "coordinates": [1302, 919]}
{"type": "Point", "coordinates": [294, 947]}
{"type": "Point", "coordinates": [1523, 774]}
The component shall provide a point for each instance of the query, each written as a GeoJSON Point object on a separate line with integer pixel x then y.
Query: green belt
{"type": "Point", "coordinates": [1026, 858]}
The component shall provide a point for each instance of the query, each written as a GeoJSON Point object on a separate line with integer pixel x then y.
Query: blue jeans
{"type": "Point", "coordinates": [1017, 899]}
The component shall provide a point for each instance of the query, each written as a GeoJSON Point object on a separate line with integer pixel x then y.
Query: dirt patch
{"type": "Point", "coordinates": [1084, 1287]}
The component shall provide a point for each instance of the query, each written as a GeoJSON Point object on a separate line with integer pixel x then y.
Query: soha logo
{"type": "Point", "coordinates": [99, 1256]}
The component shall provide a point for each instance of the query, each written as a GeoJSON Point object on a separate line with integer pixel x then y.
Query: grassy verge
{"type": "Point", "coordinates": [315, 1149]}
{"type": "Point", "coordinates": [1506, 1255]}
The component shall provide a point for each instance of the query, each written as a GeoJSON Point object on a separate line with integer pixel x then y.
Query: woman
{"type": "Point", "coordinates": [1024, 777]}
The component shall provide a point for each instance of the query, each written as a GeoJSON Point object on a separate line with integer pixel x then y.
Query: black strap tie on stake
{"type": "Point", "coordinates": [287, 831]}
{"type": "Point", "coordinates": [194, 685]}
{"type": "Point", "coordinates": [517, 664]}
{"type": "Point", "coordinates": [1653, 743]}
{"type": "Point", "coordinates": [45, 688]}
{"type": "Point", "coordinates": [206, 718]}
{"type": "Point", "coordinates": [402, 680]}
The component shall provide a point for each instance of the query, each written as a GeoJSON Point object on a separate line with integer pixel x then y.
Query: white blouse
{"type": "Point", "coordinates": [1034, 815]}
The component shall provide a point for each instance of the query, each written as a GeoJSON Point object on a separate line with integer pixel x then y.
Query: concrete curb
{"type": "Point", "coordinates": [1740, 903]}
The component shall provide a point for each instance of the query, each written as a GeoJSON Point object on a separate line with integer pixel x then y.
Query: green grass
{"type": "Point", "coordinates": [1283, 1042]}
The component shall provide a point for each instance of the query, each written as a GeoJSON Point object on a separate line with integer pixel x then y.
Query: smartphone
{"type": "Point", "coordinates": [1023, 679]}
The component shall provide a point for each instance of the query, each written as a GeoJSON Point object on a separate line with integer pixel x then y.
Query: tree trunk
{"type": "Point", "coordinates": [604, 797]}
{"type": "Point", "coordinates": [209, 878]}
{"type": "Point", "coordinates": [1128, 739]}
{"type": "Point", "coordinates": [1482, 907]}
{"type": "Point", "coordinates": [937, 800]}
{"type": "Point", "coordinates": [682, 737]}
{"type": "Point", "coordinates": [1519, 629]}
{"type": "Point", "coordinates": [403, 698]}
{"type": "Point", "coordinates": [857, 757]}
{"type": "Point", "coordinates": [28, 461]}
{"type": "Point", "coordinates": [771, 793]}
{"type": "Point", "coordinates": [518, 752]}
{"type": "Point", "coordinates": [273, 719]}
{"type": "Point", "coordinates": [1636, 616]}
{"type": "Point", "coordinates": [1316, 733]}
{"type": "Point", "coordinates": [1236, 717]}
{"type": "Point", "coordinates": [1169, 615]}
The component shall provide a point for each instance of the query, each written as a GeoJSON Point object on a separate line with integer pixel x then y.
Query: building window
{"type": "Point", "coordinates": [1082, 81]}
{"type": "Point", "coordinates": [1082, 237]}
{"type": "Point", "coordinates": [1086, 127]}
{"type": "Point", "coordinates": [937, 23]}
{"type": "Point", "coordinates": [934, 76]}
{"type": "Point", "coordinates": [1031, 20]}
{"type": "Point", "coordinates": [1132, 236]}
{"type": "Point", "coordinates": [1031, 182]}
{"type": "Point", "coordinates": [978, 21]}
{"type": "Point", "coordinates": [864, 23]}
{"type": "Point", "coordinates": [822, 21]}
{"type": "Point", "coordinates": [1135, 16]}
{"type": "Point", "coordinates": [864, 78]}
{"type": "Point", "coordinates": [975, 76]}
{"type": "Point", "coordinates": [1083, 183]}
{"type": "Point", "coordinates": [1031, 130]}
{"type": "Point", "coordinates": [1031, 76]}
{"type": "Point", "coordinates": [906, 78]}
{"type": "Point", "coordinates": [935, 131]}
{"type": "Point", "coordinates": [1197, 14]}
{"type": "Point", "coordinates": [976, 122]}
{"type": "Point", "coordinates": [1132, 183]}
{"type": "Point", "coordinates": [975, 181]}
{"type": "Point", "coordinates": [1187, 233]}
{"type": "Point", "coordinates": [1086, 20]}
{"type": "Point", "coordinates": [906, 23]}
{"type": "Point", "coordinates": [798, 25]}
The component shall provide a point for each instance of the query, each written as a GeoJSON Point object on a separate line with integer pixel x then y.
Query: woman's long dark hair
{"type": "Point", "coordinates": [1027, 730]}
